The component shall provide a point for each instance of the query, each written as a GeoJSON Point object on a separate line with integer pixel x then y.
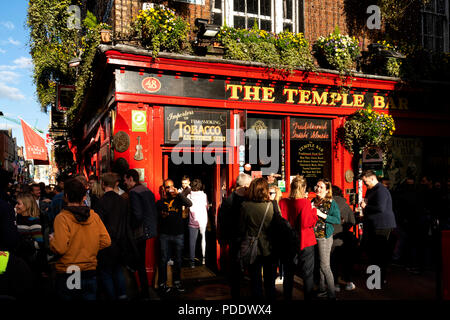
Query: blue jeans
{"type": "Point", "coordinates": [171, 247]}
{"type": "Point", "coordinates": [306, 267]}
{"type": "Point", "coordinates": [193, 234]}
{"type": "Point", "coordinates": [87, 290]}
{"type": "Point", "coordinates": [113, 281]}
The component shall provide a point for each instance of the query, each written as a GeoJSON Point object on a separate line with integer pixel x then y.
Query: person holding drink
{"type": "Point", "coordinates": [170, 209]}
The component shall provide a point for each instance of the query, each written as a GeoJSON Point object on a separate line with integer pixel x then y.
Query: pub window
{"type": "Point", "coordinates": [245, 13]}
{"type": "Point", "coordinates": [263, 145]}
{"type": "Point", "coordinates": [435, 25]}
{"type": "Point", "coordinates": [288, 18]}
{"type": "Point", "coordinates": [217, 12]}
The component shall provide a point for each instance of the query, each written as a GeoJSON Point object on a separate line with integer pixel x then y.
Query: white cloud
{"type": "Point", "coordinates": [7, 76]}
{"type": "Point", "coordinates": [7, 126]}
{"type": "Point", "coordinates": [19, 63]}
{"type": "Point", "coordinates": [8, 25]}
{"type": "Point", "coordinates": [10, 93]}
{"type": "Point", "coordinates": [2, 51]}
{"type": "Point", "coordinates": [14, 42]}
{"type": "Point", "coordinates": [23, 62]}
{"type": "Point", "coordinates": [11, 41]}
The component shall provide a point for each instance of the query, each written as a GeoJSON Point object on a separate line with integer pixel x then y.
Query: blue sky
{"type": "Point", "coordinates": [17, 91]}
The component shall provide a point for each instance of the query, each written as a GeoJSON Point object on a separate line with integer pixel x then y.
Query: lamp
{"type": "Point", "coordinates": [75, 62]}
{"type": "Point", "coordinates": [381, 50]}
{"type": "Point", "coordinates": [206, 30]}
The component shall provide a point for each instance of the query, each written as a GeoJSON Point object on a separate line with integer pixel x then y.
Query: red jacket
{"type": "Point", "coordinates": [291, 208]}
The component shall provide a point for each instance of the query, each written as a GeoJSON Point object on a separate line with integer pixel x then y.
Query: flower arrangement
{"type": "Point", "coordinates": [159, 28]}
{"type": "Point", "coordinates": [104, 26]}
{"type": "Point", "coordinates": [367, 128]}
{"type": "Point", "coordinates": [337, 51]}
{"type": "Point", "coordinates": [285, 50]}
{"type": "Point", "coordinates": [383, 58]}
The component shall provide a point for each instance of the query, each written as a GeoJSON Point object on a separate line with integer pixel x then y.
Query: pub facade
{"type": "Point", "coordinates": [212, 119]}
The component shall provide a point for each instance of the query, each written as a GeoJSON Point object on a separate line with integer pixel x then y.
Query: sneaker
{"type": "Point", "coordinates": [179, 287]}
{"type": "Point", "coordinates": [322, 294]}
{"type": "Point", "coordinates": [350, 286]}
{"type": "Point", "coordinates": [203, 261]}
{"type": "Point", "coordinates": [170, 262]}
{"type": "Point", "coordinates": [164, 289]}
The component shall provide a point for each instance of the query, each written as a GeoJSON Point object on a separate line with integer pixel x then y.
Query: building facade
{"type": "Point", "coordinates": [211, 118]}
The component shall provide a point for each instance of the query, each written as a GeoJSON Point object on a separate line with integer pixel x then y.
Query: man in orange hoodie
{"type": "Point", "coordinates": [79, 234]}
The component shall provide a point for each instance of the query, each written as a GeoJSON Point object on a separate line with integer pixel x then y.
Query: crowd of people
{"type": "Point", "coordinates": [87, 238]}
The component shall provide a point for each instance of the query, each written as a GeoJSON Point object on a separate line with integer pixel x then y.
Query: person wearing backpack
{"type": "Point", "coordinates": [302, 217]}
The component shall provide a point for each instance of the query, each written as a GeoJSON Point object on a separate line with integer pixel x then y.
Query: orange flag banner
{"type": "Point", "coordinates": [35, 148]}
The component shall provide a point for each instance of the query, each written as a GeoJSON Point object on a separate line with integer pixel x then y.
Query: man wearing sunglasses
{"type": "Point", "coordinates": [171, 238]}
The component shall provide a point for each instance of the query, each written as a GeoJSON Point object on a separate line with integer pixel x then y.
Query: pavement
{"type": "Point", "coordinates": [202, 283]}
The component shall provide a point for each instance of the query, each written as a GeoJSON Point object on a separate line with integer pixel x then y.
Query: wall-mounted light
{"type": "Point", "coordinates": [75, 62]}
{"type": "Point", "coordinates": [206, 30]}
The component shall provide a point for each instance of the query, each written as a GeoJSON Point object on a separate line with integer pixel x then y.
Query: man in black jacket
{"type": "Point", "coordinates": [379, 221]}
{"type": "Point", "coordinates": [171, 236]}
{"type": "Point", "coordinates": [113, 210]}
{"type": "Point", "coordinates": [228, 222]}
{"type": "Point", "coordinates": [144, 221]}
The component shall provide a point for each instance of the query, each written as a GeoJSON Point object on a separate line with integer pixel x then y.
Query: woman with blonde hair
{"type": "Point", "coordinates": [329, 214]}
{"type": "Point", "coordinates": [29, 226]}
{"type": "Point", "coordinates": [302, 217]}
{"type": "Point", "coordinates": [96, 192]}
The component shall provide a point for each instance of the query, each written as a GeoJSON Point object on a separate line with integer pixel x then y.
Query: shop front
{"type": "Point", "coordinates": [211, 120]}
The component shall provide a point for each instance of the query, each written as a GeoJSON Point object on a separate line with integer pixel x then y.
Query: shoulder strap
{"type": "Point", "coordinates": [265, 213]}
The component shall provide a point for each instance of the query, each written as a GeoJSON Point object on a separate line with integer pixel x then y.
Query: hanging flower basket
{"type": "Point", "coordinates": [337, 51]}
{"type": "Point", "coordinates": [160, 29]}
{"type": "Point", "coordinates": [367, 128]}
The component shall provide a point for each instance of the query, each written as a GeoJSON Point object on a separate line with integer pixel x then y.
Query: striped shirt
{"type": "Point", "coordinates": [30, 226]}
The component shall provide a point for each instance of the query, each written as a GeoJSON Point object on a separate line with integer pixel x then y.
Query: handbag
{"type": "Point", "coordinates": [249, 246]}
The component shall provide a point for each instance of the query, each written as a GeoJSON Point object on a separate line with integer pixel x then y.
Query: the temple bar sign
{"type": "Point", "coordinates": [319, 97]}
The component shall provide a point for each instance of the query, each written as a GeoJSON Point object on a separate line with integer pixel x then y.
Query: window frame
{"type": "Point", "coordinates": [427, 14]}
{"type": "Point", "coordinates": [277, 20]}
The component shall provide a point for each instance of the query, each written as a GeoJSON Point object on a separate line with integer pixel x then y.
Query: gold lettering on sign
{"type": "Point", "coordinates": [358, 100]}
{"type": "Point", "coordinates": [403, 103]}
{"type": "Point", "coordinates": [344, 101]}
{"type": "Point", "coordinates": [304, 96]}
{"type": "Point", "coordinates": [335, 97]}
{"type": "Point", "coordinates": [378, 102]}
{"type": "Point", "coordinates": [234, 90]}
{"type": "Point", "coordinates": [318, 100]}
{"type": "Point", "coordinates": [267, 93]}
{"type": "Point", "coordinates": [290, 94]}
{"type": "Point", "coordinates": [251, 91]}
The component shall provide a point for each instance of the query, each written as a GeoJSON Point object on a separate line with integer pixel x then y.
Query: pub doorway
{"type": "Point", "coordinates": [213, 177]}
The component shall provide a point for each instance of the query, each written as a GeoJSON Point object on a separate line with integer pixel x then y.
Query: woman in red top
{"type": "Point", "coordinates": [298, 211]}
